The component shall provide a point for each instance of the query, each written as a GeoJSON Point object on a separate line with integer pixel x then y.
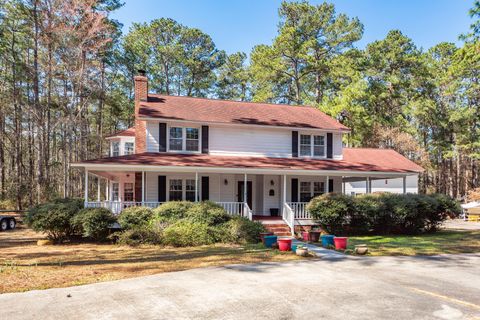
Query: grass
{"type": "Point", "coordinates": [447, 241]}
{"type": "Point", "coordinates": [26, 266]}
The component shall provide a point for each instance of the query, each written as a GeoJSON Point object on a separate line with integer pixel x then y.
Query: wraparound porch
{"type": "Point", "coordinates": [247, 194]}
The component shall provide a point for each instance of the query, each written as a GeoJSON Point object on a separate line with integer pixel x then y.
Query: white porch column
{"type": "Point", "coordinates": [245, 188]}
{"type": "Point", "coordinates": [367, 182]}
{"type": "Point", "coordinates": [404, 184]}
{"type": "Point", "coordinates": [107, 189]}
{"type": "Point", "coordinates": [327, 186]}
{"type": "Point", "coordinates": [98, 189]}
{"type": "Point", "coordinates": [196, 186]}
{"type": "Point", "coordinates": [284, 195]}
{"type": "Point", "coordinates": [86, 187]}
{"type": "Point", "coordinates": [143, 188]}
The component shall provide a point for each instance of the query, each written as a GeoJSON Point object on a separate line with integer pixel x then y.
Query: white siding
{"type": "Point", "coordinates": [337, 146]}
{"type": "Point", "coordinates": [248, 141]}
{"type": "Point", "coordinates": [152, 136]}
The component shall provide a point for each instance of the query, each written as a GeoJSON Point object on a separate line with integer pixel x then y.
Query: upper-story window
{"type": "Point", "coordinates": [129, 148]}
{"type": "Point", "coordinates": [312, 145]}
{"type": "Point", "coordinates": [184, 139]}
{"type": "Point", "coordinates": [115, 149]}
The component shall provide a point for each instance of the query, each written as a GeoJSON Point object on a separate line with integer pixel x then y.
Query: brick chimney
{"type": "Point", "coordinates": [141, 95]}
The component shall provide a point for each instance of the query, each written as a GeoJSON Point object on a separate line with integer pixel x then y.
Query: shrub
{"type": "Point", "coordinates": [383, 213]}
{"type": "Point", "coordinates": [207, 212]}
{"type": "Point", "coordinates": [93, 223]}
{"type": "Point", "coordinates": [54, 218]}
{"type": "Point", "coordinates": [135, 217]}
{"type": "Point", "coordinates": [138, 235]}
{"type": "Point", "coordinates": [185, 233]}
{"type": "Point", "coordinates": [171, 211]}
{"type": "Point", "coordinates": [332, 211]}
{"type": "Point", "coordinates": [240, 230]}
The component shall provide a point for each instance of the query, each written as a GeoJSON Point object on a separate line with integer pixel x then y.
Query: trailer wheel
{"type": "Point", "coordinates": [11, 224]}
{"type": "Point", "coordinates": [3, 225]}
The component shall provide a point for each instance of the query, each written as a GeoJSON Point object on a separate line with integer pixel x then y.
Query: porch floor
{"type": "Point", "coordinates": [268, 219]}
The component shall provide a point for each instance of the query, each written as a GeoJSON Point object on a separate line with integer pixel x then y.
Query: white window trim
{"type": "Point", "coordinates": [184, 139]}
{"type": "Point", "coordinates": [119, 148]}
{"type": "Point", "coordinates": [312, 140]}
{"type": "Point", "coordinates": [125, 147]}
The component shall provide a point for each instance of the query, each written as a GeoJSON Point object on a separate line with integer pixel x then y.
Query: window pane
{"type": "Point", "coordinates": [190, 190]}
{"type": "Point", "coordinates": [128, 192]}
{"type": "Point", "coordinates": [319, 140]}
{"type": "Point", "coordinates": [176, 140]}
{"type": "Point", "coordinates": [305, 192]}
{"type": "Point", "coordinates": [128, 148]}
{"type": "Point", "coordinates": [318, 188]}
{"type": "Point", "coordinates": [192, 133]}
{"type": "Point", "coordinates": [115, 192]}
{"type": "Point", "coordinates": [305, 145]}
{"type": "Point", "coordinates": [319, 151]}
{"type": "Point", "coordinates": [192, 145]}
{"type": "Point", "coordinates": [115, 149]}
{"type": "Point", "coordinates": [176, 190]}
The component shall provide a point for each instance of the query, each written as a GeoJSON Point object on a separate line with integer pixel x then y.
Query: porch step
{"type": "Point", "coordinates": [278, 229]}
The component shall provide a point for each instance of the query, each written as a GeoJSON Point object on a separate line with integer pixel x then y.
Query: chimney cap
{"type": "Point", "coordinates": [142, 72]}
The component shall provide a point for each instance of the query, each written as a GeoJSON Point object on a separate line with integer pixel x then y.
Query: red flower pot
{"type": "Point", "coordinates": [264, 234]}
{"type": "Point", "coordinates": [306, 236]}
{"type": "Point", "coordinates": [284, 244]}
{"type": "Point", "coordinates": [340, 243]}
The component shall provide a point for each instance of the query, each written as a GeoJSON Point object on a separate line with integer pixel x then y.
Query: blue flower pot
{"type": "Point", "coordinates": [327, 240]}
{"type": "Point", "coordinates": [270, 240]}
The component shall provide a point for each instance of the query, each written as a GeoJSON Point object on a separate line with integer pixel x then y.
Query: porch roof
{"type": "Point", "coordinates": [354, 160]}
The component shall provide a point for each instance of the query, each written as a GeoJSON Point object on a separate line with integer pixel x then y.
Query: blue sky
{"type": "Point", "coordinates": [238, 25]}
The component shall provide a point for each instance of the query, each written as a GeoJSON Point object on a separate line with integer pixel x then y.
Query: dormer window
{"type": "Point", "coordinates": [184, 139]}
{"type": "Point", "coordinates": [128, 148]}
{"type": "Point", "coordinates": [312, 145]}
{"type": "Point", "coordinates": [115, 149]}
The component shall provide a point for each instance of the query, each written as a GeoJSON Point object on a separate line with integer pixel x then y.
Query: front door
{"type": "Point", "coordinates": [241, 184]}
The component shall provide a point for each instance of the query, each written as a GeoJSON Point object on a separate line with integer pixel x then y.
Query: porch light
{"type": "Point", "coordinates": [272, 182]}
{"type": "Point", "coordinates": [225, 182]}
{"type": "Point", "coordinates": [128, 175]}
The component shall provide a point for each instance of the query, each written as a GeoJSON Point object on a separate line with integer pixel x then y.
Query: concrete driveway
{"type": "Point", "coordinates": [440, 287]}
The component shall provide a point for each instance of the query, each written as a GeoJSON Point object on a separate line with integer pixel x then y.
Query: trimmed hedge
{"type": "Point", "coordinates": [134, 217]}
{"type": "Point", "coordinates": [184, 233]}
{"type": "Point", "coordinates": [93, 223]}
{"type": "Point", "coordinates": [382, 213]}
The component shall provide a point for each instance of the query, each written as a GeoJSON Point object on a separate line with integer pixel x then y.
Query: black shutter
{"type": "Point", "coordinates": [205, 188]}
{"type": "Point", "coordinates": [294, 144]}
{"type": "Point", "coordinates": [294, 190]}
{"type": "Point", "coordinates": [329, 145]}
{"type": "Point", "coordinates": [162, 188]}
{"type": "Point", "coordinates": [330, 185]}
{"type": "Point", "coordinates": [162, 137]}
{"type": "Point", "coordinates": [205, 139]}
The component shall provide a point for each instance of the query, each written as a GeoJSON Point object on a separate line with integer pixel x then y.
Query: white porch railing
{"type": "Point", "coordinates": [300, 210]}
{"type": "Point", "coordinates": [117, 206]}
{"type": "Point", "coordinates": [289, 217]}
{"type": "Point", "coordinates": [233, 208]}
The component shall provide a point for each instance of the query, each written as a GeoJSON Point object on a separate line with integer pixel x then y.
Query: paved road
{"type": "Point", "coordinates": [441, 287]}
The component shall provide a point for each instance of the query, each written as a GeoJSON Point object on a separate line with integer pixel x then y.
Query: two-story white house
{"type": "Point", "coordinates": [254, 159]}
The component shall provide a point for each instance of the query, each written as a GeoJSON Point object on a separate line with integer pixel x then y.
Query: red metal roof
{"type": "Point", "coordinates": [354, 159]}
{"type": "Point", "coordinates": [130, 132]}
{"type": "Point", "coordinates": [223, 111]}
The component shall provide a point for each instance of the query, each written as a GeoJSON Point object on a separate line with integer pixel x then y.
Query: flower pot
{"type": "Point", "coordinates": [285, 244]}
{"type": "Point", "coordinates": [327, 240]}
{"type": "Point", "coordinates": [294, 248]}
{"type": "Point", "coordinates": [264, 234]}
{"type": "Point", "coordinates": [302, 252]}
{"type": "Point", "coordinates": [340, 243]}
{"type": "Point", "coordinates": [314, 236]}
{"type": "Point", "coordinates": [306, 236]}
{"type": "Point", "coordinates": [269, 241]}
{"type": "Point", "coordinates": [361, 249]}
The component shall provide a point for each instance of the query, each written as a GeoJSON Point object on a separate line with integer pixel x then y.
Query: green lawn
{"type": "Point", "coordinates": [425, 244]}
